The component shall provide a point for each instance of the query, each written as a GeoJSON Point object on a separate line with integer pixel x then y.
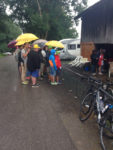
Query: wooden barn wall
{"type": "Point", "coordinates": [97, 24]}
{"type": "Point", "coordinates": [86, 49]}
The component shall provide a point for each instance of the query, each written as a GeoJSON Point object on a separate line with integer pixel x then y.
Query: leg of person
{"type": "Point", "coordinates": [58, 74]}
{"type": "Point", "coordinates": [34, 78]}
{"type": "Point", "coordinates": [28, 75]}
{"type": "Point", "coordinates": [23, 72]}
{"type": "Point", "coordinates": [100, 73]}
{"type": "Point", "coordinates": [48, 73]}
{"type": "Point", "coordinates": [57, 79]}
{"type": "Point", "coordinates": [93, 69]}
{"type": "Point", "coordinates": [41, 69]}
{"type": "Point", "coordinates": [19, 68]}
{"type": "Point", "coordinates": [53, 74]}
{"type": "Point", "coordinates": [23, 77]}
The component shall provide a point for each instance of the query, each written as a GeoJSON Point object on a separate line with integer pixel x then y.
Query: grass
{"type": "Point", "coordinates": [1, 55]}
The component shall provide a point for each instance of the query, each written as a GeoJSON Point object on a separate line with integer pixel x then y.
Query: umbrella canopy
{"type": "Point", "coordinates": [55, 44]}
{"type": "Point", "coordinates": [40, 42]}
{"type": "Point", "coordinates": [20, 43]}
{"type": "Point", "coordinates": [12, 44]}
{"type": "Point", "coordinates": [26, 37]}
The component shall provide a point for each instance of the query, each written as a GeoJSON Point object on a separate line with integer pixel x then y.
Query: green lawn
{"type": "Point", "coordinates": [1, 55]}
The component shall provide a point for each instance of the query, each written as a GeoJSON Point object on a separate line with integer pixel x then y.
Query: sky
{"type": "Point", "coordinates": [90, 3]}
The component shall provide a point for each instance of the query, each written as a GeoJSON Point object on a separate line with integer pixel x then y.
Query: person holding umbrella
{"type": "Point", "coordinates": [24, 54]}
{"type": "Point", "coordinates": [26, 38]}
{"type": "Point", "coordinates": [18, 56]}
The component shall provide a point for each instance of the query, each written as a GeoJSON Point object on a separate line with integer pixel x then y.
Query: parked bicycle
{"type": "Point", "coordinates": [99, 100]}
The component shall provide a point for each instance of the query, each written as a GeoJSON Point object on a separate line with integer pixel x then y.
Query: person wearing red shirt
{"type": "Point", "coordinates": [58, 65]}
{"type": "Point", "coordinates": [101, 61]}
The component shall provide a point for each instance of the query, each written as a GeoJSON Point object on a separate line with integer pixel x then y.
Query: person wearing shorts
{"type": "Point", "coordinates": [33, 65]}
{"type": "Point", "coordinates": [34, 74]}
{"type": "Point", "coordinates": [53, 67]}
{"type": "Point", "coordinates": [58, 64]}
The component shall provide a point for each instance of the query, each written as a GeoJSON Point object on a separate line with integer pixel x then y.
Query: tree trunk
{"type": "Point", "coordinates": [46, 34]}
{"type": "Point", "coordinates": [39, 8]}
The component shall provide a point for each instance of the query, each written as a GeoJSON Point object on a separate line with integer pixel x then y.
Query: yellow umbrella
{"type": "Point", "coordinates": [20, 43]}
{"type": "Point", "coordinates": [55, 44]}
{"type": "Point", "coordinates": [26, 37]}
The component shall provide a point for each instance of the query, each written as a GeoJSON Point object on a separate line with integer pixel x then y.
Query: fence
{"type": "Point", "coordinates": [74, 83]}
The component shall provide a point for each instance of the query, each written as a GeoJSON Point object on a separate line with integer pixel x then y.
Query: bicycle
{"type": "Point", "coordinates": [97, 101]}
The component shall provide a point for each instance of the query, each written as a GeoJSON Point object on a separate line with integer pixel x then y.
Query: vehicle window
{"type": "Point", "coordinates": [71, 46]}
{"type": "Point", "coordinates": [78, 45]}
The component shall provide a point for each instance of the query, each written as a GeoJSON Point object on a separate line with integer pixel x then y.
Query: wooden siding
{"type": "Point", "coordinates": [86, 49]}
{"type": "Point", "coordinates": [97, 23]}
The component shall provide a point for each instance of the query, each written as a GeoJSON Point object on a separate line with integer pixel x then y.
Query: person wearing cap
{"type": "Point", "coordinates": [33, 64]}
{"type": "Point", "coordinates": [58, 64]}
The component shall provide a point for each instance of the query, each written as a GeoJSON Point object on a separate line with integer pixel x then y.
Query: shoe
{"type": "Point", "coordinates": [53, 83]}
{"type": "Point", "coordinates": [40, 78]}
{"type": "Point", "coordinates": [59, 83]}
{"type": "Point", "coordinates": [100, 73]}
{"type": "Point", "coordinates": [25, 82]}
{"type": "Point", "coordinates": [35, 85]}
{"type": "Point", "coordinates": [93, 74]}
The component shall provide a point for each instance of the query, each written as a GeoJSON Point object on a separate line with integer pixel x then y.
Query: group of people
{"type": "Point", "coordinates": [98, 62]}
{"type": "Point", "coordinates": [35, 62]}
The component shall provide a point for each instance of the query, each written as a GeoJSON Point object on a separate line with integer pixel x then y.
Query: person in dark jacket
{"type": "Point", "coordinates": [48, 52]}
{"type": "Point", "coordinates": [33, 64]}
{"type": "Point", "coordinates": [94, 62]}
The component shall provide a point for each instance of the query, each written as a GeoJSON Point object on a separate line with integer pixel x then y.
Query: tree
{"type": "Point", "coordinates": [50, 19]}
{"type": "Point", "coordinates": [8, 30]}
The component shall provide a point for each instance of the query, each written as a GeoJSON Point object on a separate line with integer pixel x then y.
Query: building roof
{"type": "Point", "coordinates": [90, 9]}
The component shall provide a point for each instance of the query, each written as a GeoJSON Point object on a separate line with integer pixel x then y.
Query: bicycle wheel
{"type": "Point", "coordinates": [106, 134]}
{"type": "Point", "coordinates": [86, 107]}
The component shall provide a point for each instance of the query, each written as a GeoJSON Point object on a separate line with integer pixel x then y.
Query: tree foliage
{"type": "Point", "coordinates": [50, 19]}
{"type": "Point", "coordinates": [8, 30]}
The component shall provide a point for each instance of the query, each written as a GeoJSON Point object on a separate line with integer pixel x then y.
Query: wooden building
{"type": "Point", "coordinates": [97, 28]}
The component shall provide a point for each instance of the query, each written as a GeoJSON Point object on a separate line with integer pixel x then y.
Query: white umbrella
{"type": "Point", "coordinates": [40, 42]}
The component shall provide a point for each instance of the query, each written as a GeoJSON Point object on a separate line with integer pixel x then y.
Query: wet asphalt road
{"type": "Point", "coordinates": [44, 118]}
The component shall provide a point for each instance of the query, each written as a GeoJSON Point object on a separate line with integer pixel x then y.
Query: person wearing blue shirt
{"type": "Point", "coordinates": [53, 67]}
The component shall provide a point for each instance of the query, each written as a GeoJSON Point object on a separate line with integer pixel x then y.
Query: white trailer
{"type": "Point", "coordinates": [71, 48]}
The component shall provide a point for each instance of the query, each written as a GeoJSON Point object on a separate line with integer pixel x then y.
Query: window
{"type": "Point", "coordinates": [78, 45]}
{"type": "Point", "coordinates": [71, 46]}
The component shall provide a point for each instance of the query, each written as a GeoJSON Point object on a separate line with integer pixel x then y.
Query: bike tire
{"type": "Point", "coordinates": [87, 103]}
{"type": "Point", "coordinates": [106, 136]}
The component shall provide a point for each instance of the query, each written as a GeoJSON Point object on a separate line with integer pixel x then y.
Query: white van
{"type": "Point", "coordinates": [71, 48]}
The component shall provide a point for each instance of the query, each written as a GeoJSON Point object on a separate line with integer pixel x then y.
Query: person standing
{"type": "Point", "coordinates": [53, 67]}
{"type": "Point", "coordinates": [58, 65]}
{"type": "Point", "coordinates": [24, 53]}
{"type": "Point", "coordinates": [18, 56]}
{"type": "Point", "coordinates": [33, 64]}
{"type": "Point", "coordinates": [101, 61]}
{"type": "Point", "coordinates": [94, 62]}
{"type": "Point", "coordinates": [48, 52]}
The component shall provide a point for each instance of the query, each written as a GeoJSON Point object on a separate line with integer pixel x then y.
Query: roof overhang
{"type": "Point", "coordinates": [88, 10]}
